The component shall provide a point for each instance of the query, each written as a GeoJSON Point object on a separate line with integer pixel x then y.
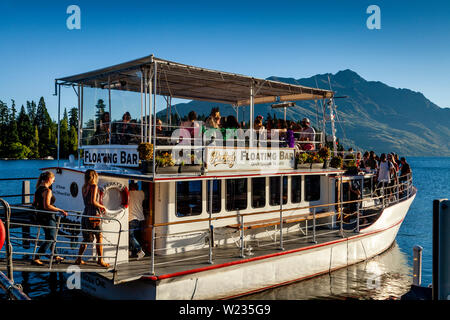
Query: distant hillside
{"type": "Point", "coordinates": [375, 116]}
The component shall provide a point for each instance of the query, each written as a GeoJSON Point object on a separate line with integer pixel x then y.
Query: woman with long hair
{"type": "Point", "coordinates": [44, 200]}
{"type": "Point", "coordinates": [89, 223]}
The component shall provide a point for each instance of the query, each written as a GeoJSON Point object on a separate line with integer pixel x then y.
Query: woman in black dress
{"type": "Point", "coordinates": [89, 223]}
{"type": "Point", "coordinates": [44, 200]}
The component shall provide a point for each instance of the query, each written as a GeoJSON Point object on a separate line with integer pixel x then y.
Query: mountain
{"type": "Point", "coordinates": [374, 116]}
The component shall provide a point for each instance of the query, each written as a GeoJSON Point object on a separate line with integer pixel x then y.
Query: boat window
{"type": "Point", "coordinates": [296, 189]}
{"type": "Point", "coordinates": [216, 197]}
{"type": "Point", "coordinates": [275, 190]}
{"type": "Point", "coordinates": [236, 194]}
{"type": "Point", "coordinates": [258, 192]}
{"type": "Point", "coordinates": [312, 188]}
{"type": "Point", "coordinates": [188, 198]}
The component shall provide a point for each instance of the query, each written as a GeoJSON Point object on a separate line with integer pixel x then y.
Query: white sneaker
{"type": "Point", "coordinates": [140, 254]}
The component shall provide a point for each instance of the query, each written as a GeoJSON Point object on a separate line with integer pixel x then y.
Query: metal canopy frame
{"type": "Point", "coordinates": [194, 83]}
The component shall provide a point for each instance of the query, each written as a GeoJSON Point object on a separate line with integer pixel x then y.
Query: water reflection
{"type": "Point", "coordinates": [387, 275]}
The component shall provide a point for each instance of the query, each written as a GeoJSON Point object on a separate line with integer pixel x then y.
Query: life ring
{"type": "Point", "coordinates": [2, 234]}
{"type": "Point", "coordinates": [109, 197]}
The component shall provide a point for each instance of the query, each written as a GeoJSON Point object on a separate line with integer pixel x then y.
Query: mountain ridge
{"type": "Point", "coordinates": [375, 116]}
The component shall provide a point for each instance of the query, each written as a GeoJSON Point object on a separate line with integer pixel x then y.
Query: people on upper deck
{"type": "Point", "coordinates": [101, 135]}
{"type": "Point", "coordinates": [372, 162]}
{"type": "Point", "coordinates": [385, 169]}
{"type": "Point", "coordinates": [213, 121]}
{"type": "Point", "coordinates": [44, 200]}
{"type": "Point", "coordinates": [307, 134]}
{"type": "Point", "coordinates": [124, 129]}
{"type": "Point", "coordinates": [405, 169]}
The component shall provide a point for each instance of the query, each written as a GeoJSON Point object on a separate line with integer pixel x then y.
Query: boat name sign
{"type": "Point", "coordinates": [251, 159]}
{"type": "Point", "coordinates": [116, 155]}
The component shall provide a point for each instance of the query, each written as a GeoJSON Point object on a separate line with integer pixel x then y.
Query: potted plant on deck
{"type": "Point", "coordinates": [165, 164]}
{"type": "Point", "coordinates": [325, 154]}
{"type": "Point", "coordinates": [145, 150]}
{"type": "Point", "coordinates": [301, 160]}
{"type": "Point", "coordinates": [336, 162]}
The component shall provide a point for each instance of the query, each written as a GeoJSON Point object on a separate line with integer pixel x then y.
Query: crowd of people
{"type": "Point", "coordinates": [389, 170]}
{"type": "Point", "coordinates": [289, 133]}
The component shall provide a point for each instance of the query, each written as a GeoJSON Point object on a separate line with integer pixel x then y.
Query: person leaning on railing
{"type": "Point", "coordinates": [44, 200]}
{"type": "Point", "coordinates": [307, 134]}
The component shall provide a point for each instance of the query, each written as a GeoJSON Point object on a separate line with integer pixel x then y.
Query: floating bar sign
{"type": "Point", "coordinates": [250, 159]}
{"type": "Point", "coordinates": [118, 155]}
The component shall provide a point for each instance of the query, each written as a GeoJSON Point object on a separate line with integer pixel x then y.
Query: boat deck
{"type": "Point", "coordinates": [198, 260]}
{"type": "Point", "coordinates": [187, 262]}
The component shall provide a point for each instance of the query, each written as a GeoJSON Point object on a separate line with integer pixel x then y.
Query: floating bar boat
{"type": "Point", "coordinates": [227, 213]}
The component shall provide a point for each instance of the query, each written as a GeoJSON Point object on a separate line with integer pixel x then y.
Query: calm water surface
{"type": "Point", "coordinates": [386, 275]}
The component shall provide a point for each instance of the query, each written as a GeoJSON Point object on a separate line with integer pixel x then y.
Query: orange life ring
{"type": "Point", "coordinates": [2, 234]}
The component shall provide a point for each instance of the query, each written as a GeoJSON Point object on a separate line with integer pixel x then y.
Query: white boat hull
{"type": "Point", "coordinates": [258, 274]}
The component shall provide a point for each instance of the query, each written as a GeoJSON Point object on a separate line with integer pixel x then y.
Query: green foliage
{"type": "Point", "coordinates": [32, 134]}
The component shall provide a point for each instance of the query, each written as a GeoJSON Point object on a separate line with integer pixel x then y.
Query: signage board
{"type": "Point", "coordinates": [117, 155]}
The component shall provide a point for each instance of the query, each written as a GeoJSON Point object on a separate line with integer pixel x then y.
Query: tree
{"type": "Point", "coordinates": [73, 118]}
{"type": "Point", "coordinates": [64, 136]}
{"type": "Point", "coordinates": [47, 141]}
{"type": "Point", "coordinates": [100, 109]}
{"type": "Point", "coordinates": [25, 127]}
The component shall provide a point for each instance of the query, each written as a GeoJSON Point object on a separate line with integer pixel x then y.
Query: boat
{"type": "Point", "coordinates": [227, 212]}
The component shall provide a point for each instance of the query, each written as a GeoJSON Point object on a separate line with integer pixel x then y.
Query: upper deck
{"type": "Point", "coordinates": [118, 111]}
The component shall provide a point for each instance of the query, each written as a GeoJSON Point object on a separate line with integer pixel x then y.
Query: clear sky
{"type": "Point", "coordinates": [258, 38]}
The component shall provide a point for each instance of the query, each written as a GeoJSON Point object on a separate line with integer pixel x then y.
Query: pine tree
{"type": "Point", "coordinates": [47, 145]}
{"type": "Point", "coordinates": [64, 136]}
{"type": "Point", "coordinates": [25, 127]}
{"type": "Point", "coordinates": [100, 106]}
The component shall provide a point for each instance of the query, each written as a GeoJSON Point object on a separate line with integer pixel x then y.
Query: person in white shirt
{"type": "Point", "coordinates": [307, 134]}
{"type": "Point", "coordinates": [135, 220]}
{"type": "Point", "coordinates": [385, 169]}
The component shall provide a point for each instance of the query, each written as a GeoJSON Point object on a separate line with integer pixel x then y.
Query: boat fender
{"type": "Point", "coordinates": [124, 193]}
{"type": "Point", "coordinates": [2, 234]}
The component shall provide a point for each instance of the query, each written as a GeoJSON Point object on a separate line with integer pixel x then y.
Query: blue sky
{"type": "Point", "coordinates": [259, 38]}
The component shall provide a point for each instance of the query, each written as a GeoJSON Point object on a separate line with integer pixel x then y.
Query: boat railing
{"type": "Point", "coordinates": [26, 229]}
{"type": "Point", "coordinates": [203, 136]}
{"type": "Point", "coordinates": [345, 217]}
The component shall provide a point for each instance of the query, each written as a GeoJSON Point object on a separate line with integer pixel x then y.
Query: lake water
{"type": "Point", "coordinates": [389, 274]}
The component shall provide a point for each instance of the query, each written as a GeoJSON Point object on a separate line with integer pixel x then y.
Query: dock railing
{"type": "Point", "coordinates": [26, 231]}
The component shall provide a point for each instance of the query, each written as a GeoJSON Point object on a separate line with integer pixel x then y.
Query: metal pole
{"type": "Point", "coordinates": [417, 265]}
{"type": "Point", "coordinates": [142, 106]}
{"type": "Point", "coordinates": [109, 102]}
{"type": "Point", "coordinates": [281, 213]}
{"type": "Point", "coordinates": [80, 114]}
{"type": "Point", "coordinates": [154, 109]}
{"type": "Point", "coordinates": [210, 222]}
{"type": "Point", "coordinates": [251, 113]}
{"type": "Point", "coordinates": [342, 208]}
{"type": "Point", "coordinates": [314, 225]}
{"type": "Point", "coordinates": [152, 271]}
{"type": "Point", "coordinates": [241, 218]}
{"type": "Point", "coordinates": [59, 120]}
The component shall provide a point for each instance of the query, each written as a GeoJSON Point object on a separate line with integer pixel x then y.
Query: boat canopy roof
{"type": "Point", "coordinates": [194, 83]}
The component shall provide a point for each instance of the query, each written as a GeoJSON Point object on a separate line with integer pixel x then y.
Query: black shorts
{"type": "Point", "coordinates": [89, 235]}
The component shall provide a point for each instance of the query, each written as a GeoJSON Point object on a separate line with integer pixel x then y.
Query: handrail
{"type": "Point", "coordinates": [268, 211]}
{"type": "Point", "coordinates": [13, 291]}
{"type": "Point", "coordinates": [61, 224]}
{"type": "Point", "coordinates": [339, 213]}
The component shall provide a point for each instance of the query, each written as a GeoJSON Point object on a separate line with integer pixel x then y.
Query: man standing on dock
{"type": "Point", "coordinates": [135, 220]}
